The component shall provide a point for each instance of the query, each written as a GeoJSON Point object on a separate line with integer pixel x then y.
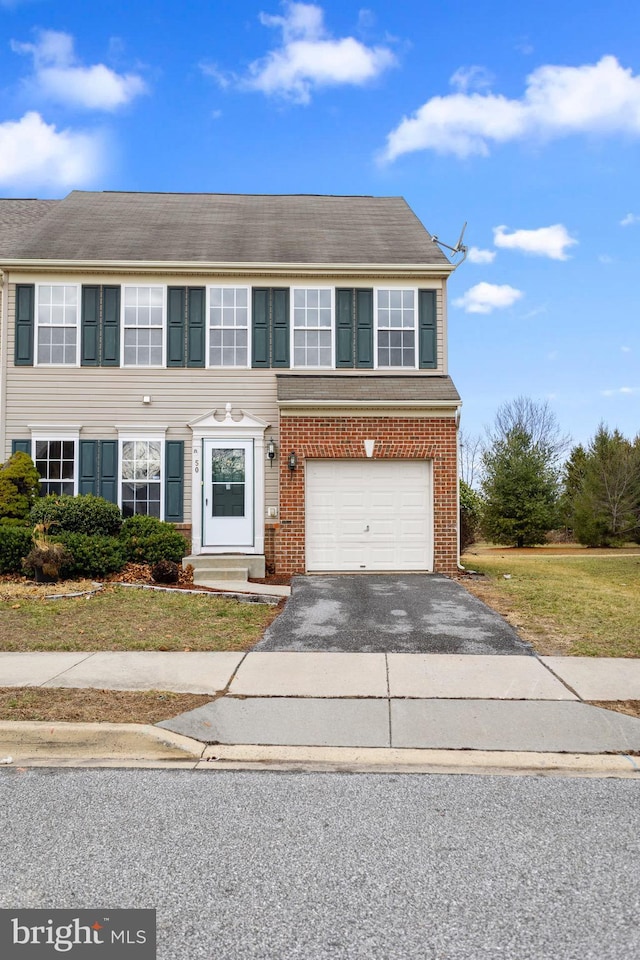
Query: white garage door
{"type": "Point", "coordinates": [368, 515]}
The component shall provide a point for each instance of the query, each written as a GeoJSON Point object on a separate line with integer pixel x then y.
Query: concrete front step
{"type": "Point", "coordinates": [225, 566]}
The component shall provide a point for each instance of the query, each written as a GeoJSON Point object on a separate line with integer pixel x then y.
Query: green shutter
{"type": "Point", "coordinates": [260, 339]}
{"type": "Point", "coordinates": [427, 329]}
{"type": "Point", "coordinates": [176, 299]}
{"type": "Point", "coordinates": [21, 446]}
{"type": "Point", "coordinates": [108, 474]}
{"type": "Point", "coordinates": [364, 328]}
{"type": "Point", "coordinates": [25, 297]}
{"type": "Point", "coordinates": [110, 327]}
{"type": "Point", "coordinates": [196, 327]}
{"type": "Point", "coordinates": [280, 328]}
{"type": "Point", "coordinates": [90, 327]}
{"type": "Point", "coordinates": [344, 327]}
{"type": "Point", "coordinates": [174, 481]}
{"type": "Point", "coordinates": [88, 479]}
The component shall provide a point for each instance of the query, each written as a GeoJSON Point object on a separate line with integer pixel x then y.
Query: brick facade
{"type": "Point", "coordinates": [339, 437]}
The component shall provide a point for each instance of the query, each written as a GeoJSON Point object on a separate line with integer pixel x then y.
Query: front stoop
{"type": "Point", "coordinates": [210, 569]}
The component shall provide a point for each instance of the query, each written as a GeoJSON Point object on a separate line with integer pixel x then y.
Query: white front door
{"type": "Point", "coordinates": [228, 503]}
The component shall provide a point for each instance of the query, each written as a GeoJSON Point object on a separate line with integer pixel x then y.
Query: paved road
{"type": "Point", "coordinates": [308, 867]}
{"type": "Point", "coordinates": [369, 613]}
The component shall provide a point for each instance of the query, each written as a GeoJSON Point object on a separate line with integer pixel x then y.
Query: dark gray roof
{"type": "Point", "coordinates": [232, 228]}
{"type": "Point", "coordinates": [421, 388]}
{"type": "Point", "coordinates": [18, 218]}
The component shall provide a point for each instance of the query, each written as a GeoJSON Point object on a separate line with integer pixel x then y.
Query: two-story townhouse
{"type": "Point", "coordinates": [268, 372]}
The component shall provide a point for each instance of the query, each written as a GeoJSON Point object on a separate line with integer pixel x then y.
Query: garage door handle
{"type": "Point", "coordinates": [366, 529]}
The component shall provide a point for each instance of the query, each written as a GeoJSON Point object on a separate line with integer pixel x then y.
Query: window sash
{"type": "Point", "coordinates": [55, 460]}
{"type": "Point", "coordinates": [312, 323]}
{"type": "Point", "coordinates": [143, 323]}
{"type": "Point", "coordinates": [141, 477]}
{"type": "Point", "coordinates": [57, 315]}
{"type": "Point", "coordinates": [228, 326]}
{"type": "Point", "coordinates": [396, 328]}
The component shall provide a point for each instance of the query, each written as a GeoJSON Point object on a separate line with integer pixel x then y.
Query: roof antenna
{"type": "Point", "coordinates": [459, 247]}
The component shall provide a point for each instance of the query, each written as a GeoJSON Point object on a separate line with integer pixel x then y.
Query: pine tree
{"type": "Point", "coordinates": [520, 488]}
{"type": "Point", "coordinates": [605, 507]}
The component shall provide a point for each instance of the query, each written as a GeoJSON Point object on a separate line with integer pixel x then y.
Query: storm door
{"type": "Point", "coordinates": [228, 493]}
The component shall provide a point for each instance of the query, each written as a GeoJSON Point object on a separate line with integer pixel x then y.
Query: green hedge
{"type": "Point", "coordinates": [15, 543]}
{"type": "Point", "coordinates": [82, 514]}
{"type": "Point", "coordinates": [93, 555]}
{"type": "Point", "coordinates": [148, 540]}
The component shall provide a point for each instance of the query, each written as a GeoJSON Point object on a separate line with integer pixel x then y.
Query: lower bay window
{"type": "Point", "coordinates": [141, 476]}
{"type": "Point", "coordinates": [55, 461]}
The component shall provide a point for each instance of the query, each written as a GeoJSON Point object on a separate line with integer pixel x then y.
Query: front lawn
{"type": "Point", "coordinates": [583, 605]}
{"type": "Point", "coordinates": [121, 618]}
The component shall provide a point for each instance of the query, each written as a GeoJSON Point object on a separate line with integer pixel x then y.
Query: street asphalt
{"type": "Point", "coordinates": [262, 866]}
{"type": "Point", "coordinates": [385, 613]}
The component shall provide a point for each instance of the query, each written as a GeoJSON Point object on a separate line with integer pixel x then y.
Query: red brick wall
{"type": "Point", "coordinates": [397, 438]}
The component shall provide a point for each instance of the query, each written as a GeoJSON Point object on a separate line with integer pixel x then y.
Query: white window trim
{"type": "Point", "coordinates": [228, 286]}
{"type": "Point", "coordinates": [144, 366]}
{"type": "Point", "coordinates": [37, 324]}
{"type": "Point", "coordinates": [157, 436]}
{"type": "Point", "coordinates": [416, 343]}
{"type": "Point", "coordinates": [331, 328]}
{"type": "Point", "coordinates": [64, 433]}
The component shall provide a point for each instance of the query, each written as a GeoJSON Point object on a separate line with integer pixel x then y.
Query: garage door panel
{"type": "Point", "coordinates": [368, 515]}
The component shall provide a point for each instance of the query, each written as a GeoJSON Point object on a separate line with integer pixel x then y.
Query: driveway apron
{"type": "Point", "coordinates": [385, 613]}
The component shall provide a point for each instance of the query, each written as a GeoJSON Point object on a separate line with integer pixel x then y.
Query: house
{"type": "Point", "coordinates": [267, 372]}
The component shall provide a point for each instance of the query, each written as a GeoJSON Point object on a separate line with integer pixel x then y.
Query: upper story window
{"type": "Point", "coordinates": [143, 315]}
{"type": "Point", "coordinates": [312, 327]}
{"type": "Point", "coordinates": [55, 461]}
{"type": "Point", "coordinates": [228, 326]}
{"type": "Point", "coordinates": [57, 314]}
{"type": "Point", "coordinates": [396, 328]}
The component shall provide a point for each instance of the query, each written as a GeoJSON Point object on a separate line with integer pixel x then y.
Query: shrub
{"type": "Point", "coordinates": [82, 514]}
{"type": "Point", "coordinates": [148, 540]}
{"type": "Point", "coordinates": [470, 513]}
{"type": "Point", "coordinates": [15, 543]}
{"type": "Point", "coordinates": [92, 555]}
{"type": "Point", "coordinates": [19, 486]}
{"type": "Point", "coordinates": [165, 571]}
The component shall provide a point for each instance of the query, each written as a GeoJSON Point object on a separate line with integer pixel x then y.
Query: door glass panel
{"type": "Point", "coordinates": [227, 482]}
{"type": "Point", "coordinates": [227, 465]}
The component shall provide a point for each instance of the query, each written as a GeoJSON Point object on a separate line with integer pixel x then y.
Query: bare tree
{"type": "Point", "coordinates": [538, 421]}
{"type": "Point", "coordinates": [470, 458]}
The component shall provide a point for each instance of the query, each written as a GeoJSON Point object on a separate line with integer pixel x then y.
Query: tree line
{"type": "Point", "coordinates": [526, 479]}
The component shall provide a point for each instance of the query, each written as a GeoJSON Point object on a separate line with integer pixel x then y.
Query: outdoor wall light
{"type": "Point", "coordinates": [271, 450]}
{"type": "Point", "coordinates": [293, 461]}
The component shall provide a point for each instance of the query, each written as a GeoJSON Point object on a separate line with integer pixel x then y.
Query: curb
{"type": "Point", "coordinates": [35, 744]}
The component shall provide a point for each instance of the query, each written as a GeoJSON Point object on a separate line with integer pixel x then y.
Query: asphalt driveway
{"type": "Point", "coordinates": [384, 613]}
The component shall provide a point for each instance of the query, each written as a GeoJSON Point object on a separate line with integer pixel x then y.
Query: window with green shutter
{"type": "Point", "coordinates": [427, 320]}
{"type": "Point", "coordinates": [25, 301]}
{"type": "Point", "coordinates": [270, 327]}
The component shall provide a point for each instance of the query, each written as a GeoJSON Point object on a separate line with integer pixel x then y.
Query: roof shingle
{"type": "Point", "coordinates": [369, 388]}
{"type": "Point", "coordinates": [231, 228]}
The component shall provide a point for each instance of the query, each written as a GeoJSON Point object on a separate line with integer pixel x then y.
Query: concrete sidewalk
{"type": "Point", "coordinates": [368, 700]}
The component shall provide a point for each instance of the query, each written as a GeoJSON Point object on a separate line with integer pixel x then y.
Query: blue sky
{"type": "Point", "coordinates": [522, 119]}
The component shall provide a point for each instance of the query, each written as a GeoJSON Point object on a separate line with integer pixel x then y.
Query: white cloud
{"type": "Point", "coordinates": [549, 242]}
{"type": "Point", "coordinates": [625, 391]}
{"type": "Point", "coordinates": [630, 220]}
{"type": "Point", "coordinates": [605, 258]}
{"type": "Point", "coordinates": [59, 76]}
{"type": "Point", "coordinates": [35, 154]}
{"type": "Point", "coordinates": [601, 98]}
{"type": "Point", "coordinates": [309, 57]}
{"type": "Point", "coordinates": [476, 255]}
{"type": "Point", "coordinates": [626, 349]}
{"type": "Point", "coordinates": [486, 297]}
{"type": "Point", "coordinates": [471, 78]}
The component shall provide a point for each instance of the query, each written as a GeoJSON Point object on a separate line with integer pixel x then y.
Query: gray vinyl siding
{"type": "Point", "coordinates": [101, 398]}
